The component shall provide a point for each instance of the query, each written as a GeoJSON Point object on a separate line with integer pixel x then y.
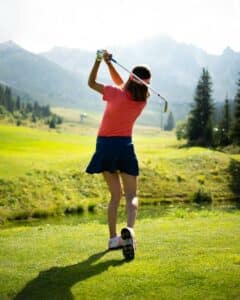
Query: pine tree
{"type": "Point", "coordinates": [29, 107]}
{"type": "Point", "coordinates": [170, 122]}
{"type": "Point", "coordinates": [199, 127]}
{"type": "Point", "coordinates": [9, 101]}
{"type": "Point", "coordinates": [46, 111]}
{"type": "Point", "coordinates": [52, 123]}
{"type": "Point", "coordinates": [34, 119]}
{"type": "Point", "coordinates": [225, 124]}
{"type": "Point", "coordinates": [1, 96]}
{"type": "Point", "coordinates": [36, 109]}
{"type": "Point", "coordinates": [236, 123]}
{"type": "Point", "coordinates": [18, 103]}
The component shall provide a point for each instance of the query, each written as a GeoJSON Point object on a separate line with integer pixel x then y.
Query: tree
{"type": "Point", "coordinates": [181, 130]}
{"type": "Point", "coordinates": [10, 104]}
{"type": "Point", "coordinates": [34, 119]}
{"type": "Point", "coordinates": [52, 122]}
{"type": "Point", "coordinates": [236, 123]}
{"type": "Point", "coordinates": [18, 103]}
{"type": "Point", "coordinates": [36, 109]}
{"type": "Point", "coordinates": [199, 126]}
{"type": "Point", "coordinates": [1, 96]}
{"type": "Point", "coordinates": [46, 111]}
{"type": "Point", "coordinates": [225, 124]}
{"type": "Point", "coordinates": [170, 122]}
{"type": "Point", "coordinates": [29, 107]}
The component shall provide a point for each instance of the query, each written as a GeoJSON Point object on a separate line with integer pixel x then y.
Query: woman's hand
{"type": "Point", "coordinates": [113, 72]}
{"type": "Point", "coordinates": [107, 57]}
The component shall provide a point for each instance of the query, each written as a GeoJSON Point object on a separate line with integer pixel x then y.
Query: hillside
{"type": "Point", "coordinates": [43, 172]}
{"type": "Point", "coordinates": [40, 78]}
{"type": "Point", "coordinates": [59, 77]}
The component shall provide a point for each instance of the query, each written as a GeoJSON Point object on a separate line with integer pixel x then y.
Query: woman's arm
{"type": "Point", "coordinates": [113, 72]}
{"type": "Point", "coordinates": [92, 78]}
{"type": "Point", "coordinates": [93, 74]}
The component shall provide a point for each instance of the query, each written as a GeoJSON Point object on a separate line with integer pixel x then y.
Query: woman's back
{"type": "Point", "coordinates": [120, 113]}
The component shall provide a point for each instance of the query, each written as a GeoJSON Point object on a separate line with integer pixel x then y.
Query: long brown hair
{"type": "Point", "coordinates": [138, 91]}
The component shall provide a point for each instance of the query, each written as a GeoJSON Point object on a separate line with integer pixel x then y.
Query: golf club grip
{"type": "Point", "coordinates": [112, 59]}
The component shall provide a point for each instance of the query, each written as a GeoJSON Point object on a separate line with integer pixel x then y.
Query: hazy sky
{"type": "Point", "coordinates": [39, 25]}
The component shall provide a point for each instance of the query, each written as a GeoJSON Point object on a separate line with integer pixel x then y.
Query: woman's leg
{"type": "Point", "coordinates": [114, 185]}
{"type": "Point", "coordinates": [130, 190]}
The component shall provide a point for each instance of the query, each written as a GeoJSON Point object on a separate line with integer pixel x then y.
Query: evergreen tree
{"type": "Point", "coordinates": [236, 122]}
{"type": "Point", "coordinates": [1, 96]}
{"type": "Point", "coordinates": [37, 109]}
{"type": "Point", "coordinates": [20, 110]}
{"type": "Point", "coordinates": [34, 119]}
{"type": "Point", "coordinates": [29, 107]}
{"type": "Point", "coordinates": [46, 111]}
{"type": "Point", "coordinates": [170, 122]}
{"type": "Point", "coordinates": [225, 124]}
{"type": "Point", "coordinates": [9, 101]}
{"type": "Point", "coordinates": [199, 127]}
{"type": "Point", "coordinates": [52, 122]}
{"type": "Point", "coordinates": [59, 120]}
{"type": "Point", "coordinates": [18, 103]}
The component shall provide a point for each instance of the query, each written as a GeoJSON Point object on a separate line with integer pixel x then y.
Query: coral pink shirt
{"type": "Point", "coordinates": [120, 113]}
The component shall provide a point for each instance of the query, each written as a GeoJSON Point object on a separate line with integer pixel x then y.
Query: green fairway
{"type": "Point", "coordinates": [192, 255]}
{"type": "Point", "coordinates": [42, 172]}
{"type": "Point", "coordinates": [181, 254]}
{"type": "Point", "coordinates": [24, 149]}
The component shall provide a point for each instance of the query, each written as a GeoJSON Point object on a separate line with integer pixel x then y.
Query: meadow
{"type": "Point", "coordinates": [53, 240]}
{"type": "Point", "coordinates": [42, 172]}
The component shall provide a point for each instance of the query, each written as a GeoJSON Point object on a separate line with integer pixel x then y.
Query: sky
{"type": "Point", "coordinates": [39, 25]}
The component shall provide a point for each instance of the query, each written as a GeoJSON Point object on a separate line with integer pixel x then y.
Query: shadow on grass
{"type": "Point", "coordinates": [56, 282]}
{"type": "Point", "coordinates": [234, 170]}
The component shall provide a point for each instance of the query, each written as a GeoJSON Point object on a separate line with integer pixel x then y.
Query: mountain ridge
{"type": "Point", "coordinates": [176, 67]}
{"type": "Point", "coordinates": [59, 77]}
{"type": "Point", "coordinates": [44, 80]}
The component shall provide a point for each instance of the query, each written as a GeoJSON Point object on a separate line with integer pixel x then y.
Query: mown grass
{"type": "Point", "coordinates": [42, 172]}
{"type": "Point", "coordinates": [187, 255]}
{"type": "Point", "coordinates": [24, 149]}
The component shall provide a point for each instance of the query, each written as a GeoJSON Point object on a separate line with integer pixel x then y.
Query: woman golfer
{"type": "Point", "coordinates": [114, 156]}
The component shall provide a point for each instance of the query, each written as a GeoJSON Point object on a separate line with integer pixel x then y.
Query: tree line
{"type": "Point", "coordinates": [20, 110]}
{"type": "Point", "coordinates": [207, 126]}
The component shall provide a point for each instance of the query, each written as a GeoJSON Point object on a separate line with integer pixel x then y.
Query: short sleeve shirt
{"type": "Point", "coordinates": [120, 112]}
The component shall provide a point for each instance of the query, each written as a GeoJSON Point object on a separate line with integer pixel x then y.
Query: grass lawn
{"type": "Point", "coordinates": [24, 149]}
{"type": "Point", "coordinates": [42, 172]}
{"type": "Point", "coordinates": [188, 255]}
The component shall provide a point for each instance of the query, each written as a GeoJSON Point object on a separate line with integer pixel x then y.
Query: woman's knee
{"type": "Point", "coordinates": [132, 200]}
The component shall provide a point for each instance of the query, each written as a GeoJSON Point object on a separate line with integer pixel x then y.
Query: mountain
{"type": "Point", "coordinates": [59, 77]}
{"type": "Point", "coordinates": [176, 67]}
{"type": "Point", "coordinates": [42, 79]}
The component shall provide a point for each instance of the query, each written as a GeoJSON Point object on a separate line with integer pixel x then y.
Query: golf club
{"type": "Point", "coordinates": [143, 82]}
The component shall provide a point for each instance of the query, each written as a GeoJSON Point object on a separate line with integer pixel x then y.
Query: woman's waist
{"type": "Point", "coordinates": [114, 139]}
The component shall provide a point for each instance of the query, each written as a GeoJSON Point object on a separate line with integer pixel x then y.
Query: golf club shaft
{"type": "Point", "coordinates": [142, 81]}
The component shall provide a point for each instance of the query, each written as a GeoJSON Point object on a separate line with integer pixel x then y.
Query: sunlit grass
{"type": "Point", "coordinates": [184, 255]}
{"type": "Point", "coordinates": [44, 170]}
{"type": "Point", "coordinates": [23, 149]}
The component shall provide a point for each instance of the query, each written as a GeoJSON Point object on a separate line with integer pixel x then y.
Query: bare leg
{"type": "Point", "coordinates": [114, 185]}
{"type": "Point", "coordinates": [130, 189]}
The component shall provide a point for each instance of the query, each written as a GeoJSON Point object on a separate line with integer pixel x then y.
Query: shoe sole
{"type": "Point", "coordinates": [128, 249]}
{"type": "Point", "coordinates": [115, 248]}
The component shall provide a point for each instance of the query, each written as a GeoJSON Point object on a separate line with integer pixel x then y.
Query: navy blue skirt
{"type": "Point", "coordinates": [114, 154]}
